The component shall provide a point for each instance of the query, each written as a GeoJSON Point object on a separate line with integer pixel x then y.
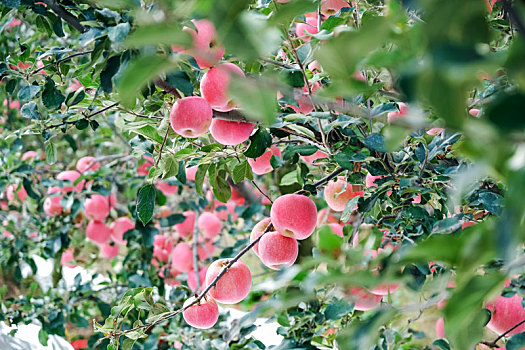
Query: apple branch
{"type": "Point", "coordinates": [86, 117]}
{"type": "Point", "coordinates": [61, 60]}
{"type": "Point", "coordinates": [196, 253]}
{"type": "Point", "coordinates": [493, 344]}
{"type": "Point", "coordinates": [169, 315]}
{"type": "Point", "coordinates": [514, 18]}
{"type": "Point", "coordinates": [65, 15]}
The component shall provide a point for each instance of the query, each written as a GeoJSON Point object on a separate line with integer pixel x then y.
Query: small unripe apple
{"type": "Point", "coordinates": [262, 165]}
{"type": "Point", "coordinates": [98, 232]}
{"type": "Point", "coordinates": [294, 216]}
{"type": "Point", "coordinates": [191, 116]}
{"type": "Point", "coordinates": [185, 228]}
{"type": "Point", "coordinates": [209, 225]}
{"type": "Point", "coordinates": [215, 83]}
{"type": "Point", "coordinates": [202, 315]}
{"type": "Point", "coordinates": [96, 208]}
{"type": "Point", "coordinates": [233, 286]}
{"type": "Point", "coordinates": [230, 132]}
{"type": "Point", "coordinates": [83, 163]}
{"type": "Point", "coordinates": [277, 251]}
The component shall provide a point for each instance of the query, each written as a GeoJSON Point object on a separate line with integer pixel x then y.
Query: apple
{"type": "Point", "coordinates": [204, 314]}
{"type": "Point", "coordinates": [233, 286]}
{"type": "Point", "coordinates": [191, 116]}
{"type": "Point", "coordinates": [294, 216]}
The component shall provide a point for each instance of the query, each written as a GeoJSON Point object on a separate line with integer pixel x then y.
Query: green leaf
{"type": "Point", "coordinates": [106, 76]}
{"type": "Point", "coordinates": [138, 73]}
{"type": "Point", "coordinates": [119, 32]}
{"type": "Point", "coordinates": [170, 167]}
{"type": "Point", "coordinates": [127, 344]}
{"type": "Point", "coordinates": [221, 188]}
{"type": "Point", "coordinates": [51, 97]}
{"type": "Point", "coordinates": [11, 3]}
{"type": "Point", "coordinates": [516, 342]}
{"type": "Point", "coordinates": [180, 81]}
{"type": "Point", "coordinates": [27, 92]}
{"type": "Point", "coordinates": [259, 142]}
{"type": "Point", "coordinates": [82, 124]}
{"type": "Point", "coordinates": [161, 33]}
{"type": "Point", "coordinates": [337, 310]}
{"type": "Point", "coordinates": [257, 100]}
{"type": "Point", "coordinates": [51, 157]}
{"type": "Point", "coordinates": [241, 171]}
{"type": "Point", "coordinates": [376, 142]}
{"type": "Point", "coordinates": [146, 203]}
{"type": "Point", "coordinates": [328, 240]}
{"type": "Point", "coordinates": [442, 343]}
{"type": "Point", "coordinates": [149, 132]}
{"type": "Point", "coordinates": [349, 207]}
{"type": "Point", "coordinates": [43, 337]}
{"type": "Point", "coordinates": [30, 110]}
{"type": "Point", "coordinates": [505, 112]}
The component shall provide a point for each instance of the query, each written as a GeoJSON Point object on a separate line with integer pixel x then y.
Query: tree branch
{"type": "Point", "coordinates": [196, 254]}
{"type": "Point", "coordinates": [65, 15]}
{"type": "Point", "coordinates": [163, 84]}
{"type": "Point", "coordinates": [61, 60]}
{"type": "Point", "coordinates": [514, 18]}
{"type": "Point", "coordinates": [86, 117]}
{"type": "Point", "coordinates": [493, 344]}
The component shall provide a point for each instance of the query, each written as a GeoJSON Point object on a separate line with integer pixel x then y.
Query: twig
{"type": "Point", "coordinates": [162, 146]}
{"type": "Point", "coordinates": [279, 64]}
{"type": "Point", "coordinates": [514, 17]}
{"type": "Point", "coordinates": [205, 291]}
{"type": "Point", "coordinates": [384, 217]}
{"type": "Point", "coordinates": [493, 344]}
{"type": "Point", "coordinates": [60, 61]}
{"type": "Point", "coordinates": [65, 15]}
{"type": "Point", "coordinates": [86, 117]}
{"type": "Point", "coordinates": [163, 84]}
{"type": "Point", "coordinates": [301, 67]}
{"type": "Point", "coordinates": [196, 253]}
{"type": "Point", "coordinates": [261, 191]}
{"type": "Point", "coordinates": [234, 116]}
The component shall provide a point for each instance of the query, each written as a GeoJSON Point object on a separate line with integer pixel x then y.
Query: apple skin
{"type": "Point", "coordinates": [257, 230]}
{"type": "Point", "coordinates": [202, 315]}
{"type": "Point", "coordinates": [52, 204]}
{"type": "Point", "coordinates": [205, 49]}
{"type": "Point", "coordinates": [29, 155]}
{"type": "Point", "coordinates": [234, 285]}
{"type": "Point", "coordinates": [364, 300]}
{"type": "Point", "coordinates": [72, 176]}
{"type": "Point", "coordinates": [277, 251]}
{"type": "Point", "coordinates": [317, 155]}
{"type": "Point", "coordinates": [337, 200]}
{"type": "Point", "coordinates": [215, 83]}
{"type": "Point", "coordinates": [192, 279]}
{"type": "Point", "coordinates": [331, 7]}
{"type": "Point", "coordinates": [109, 251]}
{"type": "Point", "coordinates": [20, 193]}
{"type": "Point", "coordinates": [230, 133]}
{"type": "Point", "coordinates": [182, 257]}
{"type": "Point", "coordinates": [506, 312]}
{"type": "Point", "coordinates": [191, 116]}
{"type": "Point", "coordinates": [67, 257]}
{"type": "Point", "coordinates": [209, 224]}
{"type": "Point", "coordinates": [185, 228]}
{"type": "Point", "coordinates": [119, 227]}
{"type": "Point", "coordinates": [98, 232]}
{"type": "Point", "coordinates": [304, 30]}
{"type": "Point", "coordinates": [402, 113]}
{"type": "Point", "coordinates": [262, 165]}
{"type": "Point", "coordinates": [167, 189]}
{"type": "Point", "coordinates": [83, 163]}
{"type": "Point", "coordinates": [294, 216]}
{"type": "Point", "coordinates": [440, 327]}
{"type": "Point", "coordinates": [97, 207]}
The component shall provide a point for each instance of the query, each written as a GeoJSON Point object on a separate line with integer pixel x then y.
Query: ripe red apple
{"type": "Point", "coordinates": [474, 112]}
{"type": "Point", "coordinates": [206, 50]}
{"type": "Point", "coordinates": [324, 216]}
{"type": "Point", "coordinates": [109, 251]}
{"type": "Point", "coordinates": [191, 116]}
{"type": "Point", "coordinates": [294, 216]}
{"type": "Point", "coordinates": [364, 300]}
{"type": "Point", "coordinates": [230, 132]}
{"type": "Point", "coordinates": [317, 155]}
{"type": "Point", "coordinates": [440, 327]}
{"type": "Point", "coordinates": [202, 315]}
{"type": "Point", "coordinates": [119, 227]}
{"type": "Point", "coordinates": [144, 168]}
{"type": "Point", "coordinates": [223, 213]}
{"type": "Point", "coordinates": [402, 113]}
{"type": "Point", "coordinates": [52, 204]}
{"type": "Point", "coordinates": [234, 285]}
{"type": "Point", "coordinates": [506, 312]}
{"type": "Point", "coordinates": [257, 230]}
{"type": "Point", "coordinates": [167, 189]}
{"type": "Point", "coordinates": [20, 193]}
{"type": "Point", "coordinates": [335, 197]}
{"type": "Point", "coordinates": [261, 165]}
{"type": "Point", "coordinates": [331, 7]}
{"type": "Point", "coordinates": [98, 232]}
{"type": "Point", "coordinates": [435, 131]}
{"type": "Point", "coordinates": [182, 257]}
{"type": "Point", "coordinates": [72, 176]}
{"type": "Point", "coordinates": [277, 251]}
{"type": "Point", "coordinates": [209, 224]}
{"type": "Point", "coordinates": [185, 228]}
{"type": "Point", "coordinates": [83, 163]}
{"type": "Point", "coordinates": [304, 30]}
{"type": "Point", "coordinates": [192, 279]}
{"type": "Point", "coordinates": [190, 173]}
{"type": "Point", "coordinates": [215, 83]}
{"type": "Point", "coordinates": [29, 155]}
{"type": "Point", "coordinates": [67, 258]}
{"type": "Point", "coordinates": [96, 208]}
